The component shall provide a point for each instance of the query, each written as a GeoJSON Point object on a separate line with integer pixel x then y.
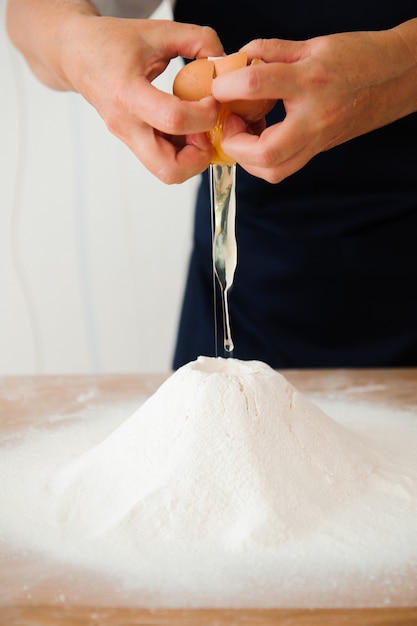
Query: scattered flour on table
{"type": "Point", "coordinates": [226, 488]}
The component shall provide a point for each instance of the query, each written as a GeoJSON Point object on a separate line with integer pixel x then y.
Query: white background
{"type": "Point", "coordinates": [93, 249]}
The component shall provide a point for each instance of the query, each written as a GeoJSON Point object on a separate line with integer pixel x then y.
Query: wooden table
{"type": "Point", "coordinates": [28, 600]}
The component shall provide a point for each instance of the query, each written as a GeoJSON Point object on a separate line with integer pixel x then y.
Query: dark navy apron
{"type": "Point", "coordinates": [327, 259]}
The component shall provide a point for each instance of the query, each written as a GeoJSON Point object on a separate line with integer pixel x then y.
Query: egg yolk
{"type": "Point", "coordinates": [215, 136]}
{"type": "Point", "coordinates": [194, 82]}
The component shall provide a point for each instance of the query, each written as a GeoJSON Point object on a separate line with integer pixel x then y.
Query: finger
{"type": "Point", "coordinates": [278, 152]}
{"type": "Point", "coordinates": [279, 172]}
{"type": "Point", "coordinates": [168, 163]}
{"type": "Point", "coordinates": [273, 146]}
{"type": "Point", "coordinates": [199, 140]}
{"type": "Point", "coordinates": [192, 41]}
{"type": "Point", "coordinates": [265, 156]}
{"type": "Point", "coordinates": [269, 81]}
{"type": "Point", "coordinates": [276, 50]}
{"type": "Point", "coordinates": [178, 166]}
{"type": "Point", "coordinates": [168, 113]}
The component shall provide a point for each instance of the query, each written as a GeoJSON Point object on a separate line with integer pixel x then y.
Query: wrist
{"type": "Point", "coordinates": [405, 45]}
{"type": "Point", "coordinates": [64, 52]}
{"type": "Point", "coordinates": [42, 31]}
{"type": "Point", "coordinates": [73, 40]}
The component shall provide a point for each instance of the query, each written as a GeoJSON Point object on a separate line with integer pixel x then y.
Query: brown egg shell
{"type": "Point", "coordinates": [194, 82]}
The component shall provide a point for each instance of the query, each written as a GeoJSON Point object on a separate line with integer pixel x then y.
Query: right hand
{"type": "Point", "coordinates": [112, 63]}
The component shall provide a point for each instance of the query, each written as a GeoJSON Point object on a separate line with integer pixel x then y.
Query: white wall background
{"type": "Point", "coordinates": [93, 249]}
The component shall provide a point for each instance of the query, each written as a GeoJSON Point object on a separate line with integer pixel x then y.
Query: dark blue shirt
{"type": "Point", "coordinates": [327, 259]}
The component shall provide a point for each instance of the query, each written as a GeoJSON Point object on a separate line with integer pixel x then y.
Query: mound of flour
{"type": "Point", "coordinates": [230, 488]}
{"type": "Point", "coordinates": [227, 453]}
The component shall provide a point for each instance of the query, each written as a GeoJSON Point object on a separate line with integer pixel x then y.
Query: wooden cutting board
{"type": "Point", "coordinates": [83, 616]}
{"type": "Point", "coordinates": [24, 601]}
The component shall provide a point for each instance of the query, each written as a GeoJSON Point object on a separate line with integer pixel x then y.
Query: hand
{"type": "Point", "coordinates": [334, 88]}
{"type": "Point", "coordinates": [112, 63]}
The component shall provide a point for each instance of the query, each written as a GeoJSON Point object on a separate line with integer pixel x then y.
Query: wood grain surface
{"type": "Point", "coordinates": [26, 600]}
{"type": "Point", "coordinates": [84, 616]}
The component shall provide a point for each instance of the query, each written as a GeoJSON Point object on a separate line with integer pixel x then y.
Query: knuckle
{"type": "Point", "coordinates": [173, 121]}
{"type": "Point", "coordinates": [209, 34]}
{"type": "Point", "coordinates": [113, 124]}
{"type": "Point", "coordinates": [316, 76]}
{"type": "Point", "coordinates": [273, 177]}
{"type": "Point", "coordinates": [114, 113]}
{"type": "Point", "coordinates": [168, 176]}
{"type": "Point", "coordinates": [253, 81]}
{"type": "Point", "coordinates": [266, 159]}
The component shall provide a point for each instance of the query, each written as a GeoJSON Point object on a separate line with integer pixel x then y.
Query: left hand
{"type": "Point", "coordinates": [334, 88]}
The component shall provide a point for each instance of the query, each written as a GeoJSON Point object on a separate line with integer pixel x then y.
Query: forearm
{"type": "Point", "coordinates": [381, 72]}
{"type": "Point", "coordinates": [41, 30]}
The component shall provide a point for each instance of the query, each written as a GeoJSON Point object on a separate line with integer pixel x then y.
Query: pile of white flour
{"type": "Point", "coordinates": [226, 488]}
